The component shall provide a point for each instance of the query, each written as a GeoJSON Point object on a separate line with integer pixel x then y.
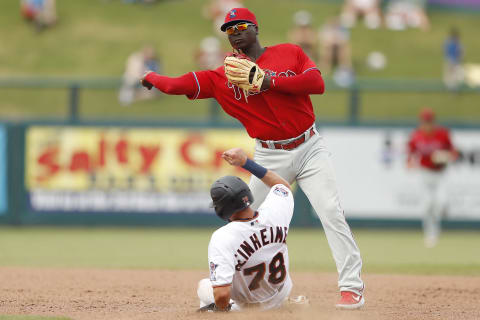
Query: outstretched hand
{"type": "Point", "coordinates": [235, 156]}
{"type": "Point", "coordinates": [145, 83]}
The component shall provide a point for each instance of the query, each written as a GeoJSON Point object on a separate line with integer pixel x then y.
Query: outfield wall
{"type": "Point", "coordinates": [3, 171]}
{"type": "Point", "coordinates": [374, 181]}
{"type": "Point", "coordinates": [126, 175]}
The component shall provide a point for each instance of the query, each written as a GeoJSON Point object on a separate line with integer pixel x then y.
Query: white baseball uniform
{"type": "Point", "coordinates": [435, 204]}
{"type": "Point", "coordinates": [310, 165]}
{"type": "Point", "coordinates": [252, 256]}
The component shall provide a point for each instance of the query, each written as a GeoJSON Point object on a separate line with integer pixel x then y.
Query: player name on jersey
{"type": "Point", "coordinates": [258, 240]}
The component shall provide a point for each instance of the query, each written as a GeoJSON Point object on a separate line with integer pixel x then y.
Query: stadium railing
{"type": "Point", "coordinates": [355, 91]}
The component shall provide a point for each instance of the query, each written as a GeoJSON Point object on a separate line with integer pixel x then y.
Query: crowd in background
{"type": "Point", "coordinates": [396, 15]}
{"type": "Point", "coordinates": [41, 13]}
{"type": "Point", "coordinates": [328, 45]}
{"type": "Point", "coordinates": [331, 48]}
{"type": "Point", "coordinates": [137, 64]}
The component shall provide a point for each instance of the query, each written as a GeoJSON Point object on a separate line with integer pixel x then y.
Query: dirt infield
{"type": "Point", "coordinates": [159, 294]}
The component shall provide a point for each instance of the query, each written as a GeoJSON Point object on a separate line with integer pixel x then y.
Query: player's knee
{"type": "Point", "coordinates": [330, 209]}
{"type": "Point", "coordinates": [331, 214]}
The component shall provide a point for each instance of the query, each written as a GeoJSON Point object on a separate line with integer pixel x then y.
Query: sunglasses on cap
{"type": "Point", "coordinates": [242, 26]}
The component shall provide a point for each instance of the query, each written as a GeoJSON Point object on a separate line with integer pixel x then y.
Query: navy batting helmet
{"type": "Point", "coordinates": [230, 195]}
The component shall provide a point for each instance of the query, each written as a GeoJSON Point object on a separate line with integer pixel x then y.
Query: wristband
{"type": "Point", "coordinates": [256, 169]}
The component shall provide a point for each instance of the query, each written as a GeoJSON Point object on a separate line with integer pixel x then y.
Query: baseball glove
{"type": "Point", "coordinates": [243, 73]}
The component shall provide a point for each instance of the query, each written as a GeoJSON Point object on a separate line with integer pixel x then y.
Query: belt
{"type": "Point", "coordinates": [291, 144]}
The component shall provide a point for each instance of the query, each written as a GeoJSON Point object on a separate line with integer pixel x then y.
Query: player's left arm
{"type": "Point", "coordinates": [309, 82]}
{"type": "Point", "coordinates": [451, 148]}
{"type": "Point", "coordinates": [308, 79]}
{"type": "Point", "coordinates": [222, 269]}
{"type": "Point", "coordinates": [411, 152]}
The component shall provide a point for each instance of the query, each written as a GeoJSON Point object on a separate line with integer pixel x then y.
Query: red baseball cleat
{"type": "Point", "coordinates": [350, 300]}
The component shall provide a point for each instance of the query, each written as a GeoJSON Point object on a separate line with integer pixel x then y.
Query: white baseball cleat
{"type": "Point", "coordinates": [350, 301]}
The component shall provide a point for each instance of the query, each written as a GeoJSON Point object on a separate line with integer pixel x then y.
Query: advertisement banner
{"type": "Point", "coordinates": [156, 171]}
{"type": "Point", "coordinates": [374, 181]}
{"type": "Point", "coordinates": [127, 170]}
{"type": "Point", "coordinates": [3, 170]}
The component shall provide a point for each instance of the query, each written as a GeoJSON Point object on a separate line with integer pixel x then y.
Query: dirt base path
{"type": "Point", "coordinates": [158, 294]}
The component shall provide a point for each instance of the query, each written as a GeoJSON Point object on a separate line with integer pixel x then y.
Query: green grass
{"type": "Point", "coordinates": [93, 38]}
{"type": "Point", "coordinates": [9, 317]}
{"type": "Point", "coordinates": [382, 251]}
{"type": "Point", "coordinates": [400, 106]}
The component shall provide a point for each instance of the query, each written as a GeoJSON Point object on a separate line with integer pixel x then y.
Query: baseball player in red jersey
{"type": "Point", "coordinates": [274, 106]}
{"type": "Point", "coordinates": [430, 149]}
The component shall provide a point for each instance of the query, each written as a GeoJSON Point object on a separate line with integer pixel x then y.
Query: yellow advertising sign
{"type": "Point", "coordinates": [81, 159]}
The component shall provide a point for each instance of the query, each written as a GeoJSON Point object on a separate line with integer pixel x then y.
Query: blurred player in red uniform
{"type": "Point", "coordinates": [280, 117]}
{"type": "Point", "coordinates": [430, 149]}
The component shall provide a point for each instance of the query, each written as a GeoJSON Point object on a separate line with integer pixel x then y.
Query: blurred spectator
{"type": "Point", "coordinates": [403, 14]}
{"type": "Point", "coordinates": [430, 149]}
{"type": "Point", "coordinates": [210, 55]}
{"type": "Point", "coordinates": [137, 64]}
{"type": "Point", "coordinates": [335, 52]}
{"type": "Point", "coordinates": [41, 12]}
{"type": "Point", "coordinates": [216, 10]}
{"type": "Point", "coordinates": [368, 9]}
{"type": "Point", "coordinates": [453, 54]}
{"type": "Point", "coordinates": [304, 35]}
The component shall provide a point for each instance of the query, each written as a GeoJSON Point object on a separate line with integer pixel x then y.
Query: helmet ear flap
{"type": "Point", "coordinates": [220, 200]}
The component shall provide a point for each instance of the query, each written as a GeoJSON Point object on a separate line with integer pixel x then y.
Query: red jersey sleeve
{"type": "Point", "coordinates": [195, 85]}
{"type": "Point", "coordinates": [308, 79]}
{"type": "Point", "coordinates": [411, 144]}
{"type": "Point", "coordinates": [448, 141]}
{"type": "Point", "coordinates": [305, 83]}
{"type": "Point", "coordinates": [206, 82]}
{"type": "Point", "coordinates": [304, 62]}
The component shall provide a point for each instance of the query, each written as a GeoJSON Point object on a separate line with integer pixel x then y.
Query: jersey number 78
{"type": "Point", "coordinates": [277, 270]}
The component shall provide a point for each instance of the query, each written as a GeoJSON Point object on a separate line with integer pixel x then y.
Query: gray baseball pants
{"type": "Point", "coordinates": [310, 166]}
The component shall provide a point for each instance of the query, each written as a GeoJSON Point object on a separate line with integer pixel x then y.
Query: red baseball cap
{"type": "Point", "coordinates": [237, 15]}
{"type": "Point", "coordinates": [427, 115]}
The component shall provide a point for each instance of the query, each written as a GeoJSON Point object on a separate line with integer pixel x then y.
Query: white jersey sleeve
{"type": "Point", "coordinates": [278, 204]}
{"type": "Point", "coordinates": [220, 259]}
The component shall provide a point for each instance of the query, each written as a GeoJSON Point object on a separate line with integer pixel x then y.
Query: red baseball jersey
{"type": "Point", "coordinates": [269, 115]}
{"type": "Point", "coordinates": [423, 145]}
